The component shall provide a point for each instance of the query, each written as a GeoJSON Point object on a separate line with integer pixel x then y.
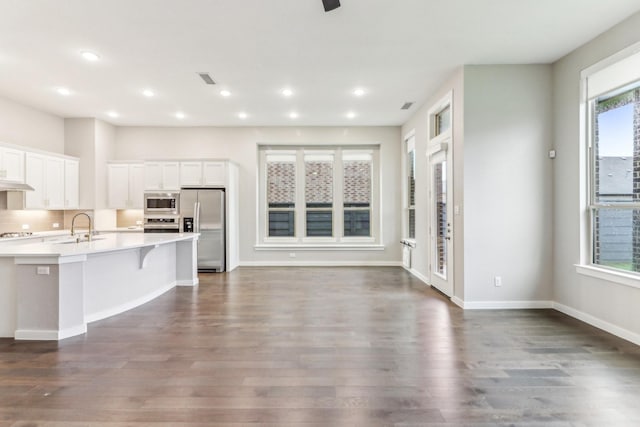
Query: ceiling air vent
{"type": "Point", "coordinates": [207, 78]}
{"type": "Point", "coordinates": [406, 105]}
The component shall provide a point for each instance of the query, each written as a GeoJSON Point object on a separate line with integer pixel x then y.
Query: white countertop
{"type": "Point", "coordinates": [106, 242]}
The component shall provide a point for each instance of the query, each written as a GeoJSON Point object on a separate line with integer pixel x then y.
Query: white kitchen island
{"type": "Point", "coordinates": [51, 290]}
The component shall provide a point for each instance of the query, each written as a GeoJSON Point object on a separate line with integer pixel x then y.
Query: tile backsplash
{"type": "Point", "coordinates": [36, 220]}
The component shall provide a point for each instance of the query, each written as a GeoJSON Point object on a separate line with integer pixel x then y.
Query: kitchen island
{"type": "Point", "coordinates": [51, 290]}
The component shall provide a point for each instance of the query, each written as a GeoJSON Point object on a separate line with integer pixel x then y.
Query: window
{"type": "Point", "coordinates": [318, 195]}
{"type": "Point", "coordinates": [411, 187]}
{"type": "Point", "coordinates": [615, 178]}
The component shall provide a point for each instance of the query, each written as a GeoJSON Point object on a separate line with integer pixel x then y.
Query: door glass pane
{"type": "Point", "coordinates": [440, 197]}
{"type": "Point", "coordinates": [411, 187]}
{"type": "Point", "coordinates": [357, 194]}
{"type": "Point", "coordinates": [281, 195]}
{"type": "Point", "coordinates": [318, 194]}
{"type": "Point", "coordinates": [443, 120]}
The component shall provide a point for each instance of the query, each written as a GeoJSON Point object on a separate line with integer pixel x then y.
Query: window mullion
{"type": "Point", "coordinates": [338, 196]}
{"type": "Point", "coordinates": [301, 208]}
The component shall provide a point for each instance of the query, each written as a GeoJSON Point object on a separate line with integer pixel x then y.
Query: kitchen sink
{"type": "Point", "coordinates": [78, 240]}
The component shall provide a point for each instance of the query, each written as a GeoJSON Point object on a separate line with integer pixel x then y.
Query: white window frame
{"type": "Point", "coordinates": [301, 241]}
{"type": "Point", "coordinates": [617, 71]}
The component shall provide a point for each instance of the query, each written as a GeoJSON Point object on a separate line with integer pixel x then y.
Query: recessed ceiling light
{"type": "Point", "coordinates": [63, 91]}
{"type": "Point", "coordinates": [242, 115]}
{"type": "Point", "coordinates": [225, 93]}
{"type": "Point", "coordinates": [180, 115]}
{"type": "Point", "coordinates": [113, 114]}
{"type": "Point", "coordinates": [286, 92]}
{"type": "Point", "coordinates": [148, 93]}
{"type": "Point", "coordinates": [358, 91]}
{"type": "Point", "coordinates": [90, 56]}
{"type": "Point", "coordinates": [293, 115]}
{"type": "Point", "coordinates": [351, 115]}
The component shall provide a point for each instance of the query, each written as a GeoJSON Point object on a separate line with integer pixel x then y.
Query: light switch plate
{"type": "Point", "coordinates": [42, 270]}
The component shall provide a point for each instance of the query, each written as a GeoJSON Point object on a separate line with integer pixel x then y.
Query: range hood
{"type": "Point", "coordinates": [14, 186]}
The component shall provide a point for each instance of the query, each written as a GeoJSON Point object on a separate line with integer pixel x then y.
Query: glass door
{"type": "Point", "coordinates": [441, 222]}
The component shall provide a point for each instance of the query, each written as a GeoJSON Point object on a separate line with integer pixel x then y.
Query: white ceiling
{"type": "Point", "coordinates": [398, 50]}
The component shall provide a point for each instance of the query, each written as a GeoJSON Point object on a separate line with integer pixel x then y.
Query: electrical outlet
{"type": "Point", "coordinates": [56, 225]}
{"type": "Point", "coordinates": [25, 226]}
{"type": "Point", "coordinates": [497, 281]}
{"type": "Point", "coordinates": [42, 270]}
{"type": "Point", "coordinates": [292, 254]}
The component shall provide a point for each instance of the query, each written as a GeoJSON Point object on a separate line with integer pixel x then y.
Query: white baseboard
{"type": "Point", "coordinates": [321, 264]}
{"type": "Point", "coordinates": [457, 301]}
{"type": "Point", "coordinates": [194, 282]}
{"type": "Point", "coordinates": [50, 335]}
{"type": "Point", "coordinates": [502, 305]}
{"type": "Point", "coordinates": [598, 323]}
{"type": "Point", "coordinates": [418, 275]}
{"type": "Point", "coordinates": [128, 305]}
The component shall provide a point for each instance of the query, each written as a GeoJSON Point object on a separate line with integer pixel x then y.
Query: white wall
{"type": "Point", "coordinates": [601, 302]}
{"type": "Point", "coordinates": [28, 127]}
{"type": "Point", "coordinates": [240, 146]}
{"type": "Point", "coordinates": [507, 183]}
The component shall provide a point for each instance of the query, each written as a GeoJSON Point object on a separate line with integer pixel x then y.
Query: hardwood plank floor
{"type": "Point", "coordinates": [321, 347]}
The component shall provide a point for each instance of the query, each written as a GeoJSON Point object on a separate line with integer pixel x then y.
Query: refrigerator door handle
{"type": "Point", "coordinates": [196, 220]}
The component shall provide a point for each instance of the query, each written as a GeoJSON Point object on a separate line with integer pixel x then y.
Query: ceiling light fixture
{"type": "Point", "coordinates": [358, 91]}
{"type": "Point", "coordinates": [113, 114]}
{"type": "Point", "coordinates": [90, 56]}
{"type": "Point", "coordinates": [180, 115]}
{"type": "Point", "coordinates": [286, 92]}
{"type": "Point", "coordinates": [63, 91]}
{"type": "Point", "coordinates": [225, 93]}
{"type": "Point", "coordinates": [351, 115]}
{"type": "Point", "coordinates": [293, 115]}
{"type": "Point", "coordinates": [242, 115]}
{"type": "Point", "coordinates": [148, 93]}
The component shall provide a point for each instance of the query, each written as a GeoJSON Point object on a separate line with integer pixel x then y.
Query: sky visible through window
{"type": "Point", "coordinates": [615, 128]}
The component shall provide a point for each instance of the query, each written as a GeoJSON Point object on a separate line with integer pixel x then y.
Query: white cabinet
{"type": "Point", "coordinates": [214, 173]}
{"type": "Point", "coordinates": [207, 173]}
{"type": "Point", "coordinates": [46, 175]}
{"type": "Point", "coordinates": [126, 185]}
{"type": "Point", "coordinates": [190, 173]}
{"type": "Point", "coordinates": [162, 176]}
{"type": "Point", "coordinates": [11, 164]}
{"type": "Point", "coordinates": [71, 184]}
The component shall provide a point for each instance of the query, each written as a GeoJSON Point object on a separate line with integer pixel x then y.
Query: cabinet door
{"type": "Point", "coordinates": [12, 164]}
{"type": "Point", "coordinates": [214, 173]}
{"type": "Point", "coordinates": [190, 173]}
{"type": "Point", "coordinates": [54, 183]}
{"type": "Point", "coordinates": [71, 184]}
{"type": "Point", "coordinates": [136, 186]}
{"type": "Point", "coordinates": [153, 176]}
{"type": "Point", "coordinates": [118, 181]}
{"type": "Point", "coordinates": [34, 176]}
{"type": "Point", "coordinates": [171, 176]}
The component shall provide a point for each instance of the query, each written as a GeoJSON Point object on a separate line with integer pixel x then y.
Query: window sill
{"type": "Point", "coordinates": [317, 247]}
{"type": "Point", "coordinates": [620, 277]}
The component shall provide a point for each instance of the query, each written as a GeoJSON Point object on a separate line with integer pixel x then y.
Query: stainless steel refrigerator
{"type": "Point", "coordinates": [202, 211]}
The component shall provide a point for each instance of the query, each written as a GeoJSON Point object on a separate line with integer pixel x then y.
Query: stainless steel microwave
{"type": "Point", "coordinates": [166, 203]}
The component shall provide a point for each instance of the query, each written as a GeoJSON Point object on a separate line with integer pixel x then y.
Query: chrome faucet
{"type": "Point", "coordinates": [73, 220]}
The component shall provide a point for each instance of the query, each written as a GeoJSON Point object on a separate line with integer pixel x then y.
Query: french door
{"type": "Point", "coordinates": [440, 205]}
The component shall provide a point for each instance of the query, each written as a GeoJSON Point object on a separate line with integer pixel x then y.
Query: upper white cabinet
{"type": "Point", "coordinates": [46, 175]}
{"type": "Point", "coordinates": [162, 175]}
{"type": "Point", "coordinates": [206, 173]}
{"type": "Point", "coordinates": [71, 184]}
{"type": "Point", "coordinates": [11, 164]}
{"type": "Point", "coordinates": [126, 185]}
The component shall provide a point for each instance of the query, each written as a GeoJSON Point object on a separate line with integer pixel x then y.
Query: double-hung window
{"type": "Point", "coordinates": [321, 195]}
{"type": "Point", "coordinates": [613, 129]}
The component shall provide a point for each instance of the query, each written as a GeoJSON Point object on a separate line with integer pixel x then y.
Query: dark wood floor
{"type": "Point", "coordinates": [325, 347]}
